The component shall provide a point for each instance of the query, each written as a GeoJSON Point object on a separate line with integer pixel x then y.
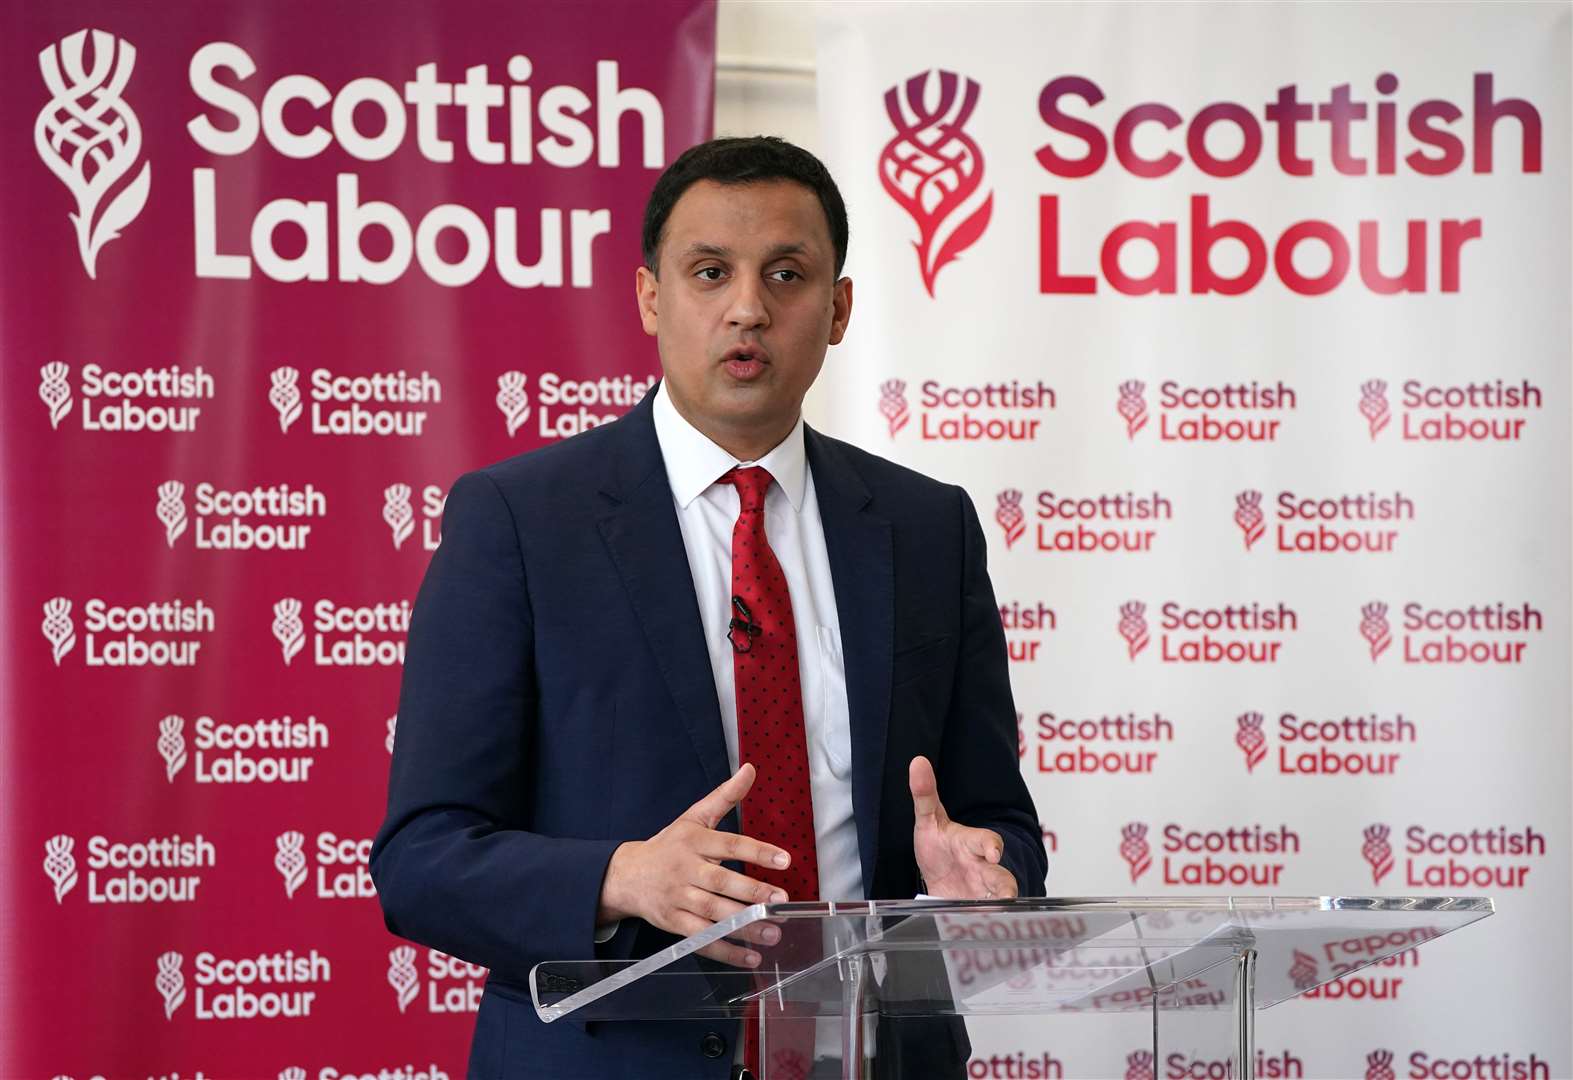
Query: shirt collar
{"type": "Point", "coordinates": [693, 462]}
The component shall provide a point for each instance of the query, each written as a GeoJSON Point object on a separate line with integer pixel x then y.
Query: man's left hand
{"type": "Point", "coordinates": [957, 862]}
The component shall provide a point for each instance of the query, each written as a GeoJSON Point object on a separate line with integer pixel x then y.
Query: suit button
{"type": "Point", "coordinates": [712, 1045]}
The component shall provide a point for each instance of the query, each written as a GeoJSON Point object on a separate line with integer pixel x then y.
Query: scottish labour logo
{"type": "Point", "coordinates": [1378, 852]}
{"type": "Point", "coordinates": [1139, 1066]}
{"type": "Point", "coordinates": [55, 391]}
{"type": "Point", "coordinates": [1250, 740]}
{"type": "Point", "coordinates": [1375, 629]}
{"type": "Point", "coordinates": [290, 860]}
{"type": "Point", "coordinates": [893, 404]}
{"type": "Point", "coordinates": [58, 628]}
{"type": "Point", "coordinates": [1374, 407]}
{"type": "Point", "coordinates": [397, 513]}
{"type": "Point", "coordinates": [933, 169]}
{"type": "Point", "coordinates": [284, 395]}
{"type": "Point", "coordinates": [90, 139]}
{"type": "Point", "coordinates": [1133, 627]}
{"type": "Point", "coordinates": [170, 982]}
{"type": "Point", "coordinates": [1248, 515]}
{"type": "Point", "coordinates": [60, 865]}
{"type": "Point", "coordinates": [513, 400]}
{"type": "Point", "coordinates": [402, 976]}
{"type": "Point", "coordinates": [1303, 972]}
{"type": "Point", "coordinates": [288, 630]}
{"type": "Point", "coordinates": [172, 745]}
{"type": "Point", "coordinates": [1379, 1065]}
{"type": "Point", "coordinates": [1009, 516]}
{"type": "Point", "coordinates": [1132, 406]}
{"type": "Point", "coordinates": [171, 509]}
{"type": "Point", "coordinates": [1135, 850]}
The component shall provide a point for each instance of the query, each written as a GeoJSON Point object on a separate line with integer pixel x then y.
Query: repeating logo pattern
{"type": "Point", "coordinates": [1378, 852]}
{"type": "Point", "coordinates": [1010, 516]}
{"type": "Point", "coordinates": [170, 982]}
{"type": "Point", "coordinates": [513, 400]}
{"type": "Point", "coordinates": [172, 745]}
{"type": "Point", "coordinates": [1250, 740]}
{"type": "Point", "coordinates": [60, 865]}
{"type": "Point", "coordinates": [1133, 627]}
{"type": "Point", "coordinates": [932, 168]}
{"type": "Point", "coordinates": [55, 391]}
{"type": "Point", "coordinates": [398, 513]}
{"type": "Point", "coordinates": [90, 139]}
{"type": "Point", "coordinates": [171, 509]}
{"type": "Point", "coordinates": [1375, 629]}
{"type": "Point", "coordinates": [1132, 406]}
{"type": "Point", "coordinates": [1374, 407]}
{"type": "Point", "coordinates": [58, 628]}
{"type": "Point", "coordinates": [1139, 1066]}
{"type": "Point", "coordinates": [1248, 515]}
{"type": "Point", "coordinates": [287, 627]}
{"type": "Point", "coordinates": [284, 396]}
{"type": "Point", "coordinates": [893, 404]}
{"type": "Point", "coordinates": [290, 860]}
{"type": "Point", "coordinates": [1379, 1065]}
{"type": "Point", "coordinates": [1135, 850]}
{"type": "Point", "coordinates": [402, 975]}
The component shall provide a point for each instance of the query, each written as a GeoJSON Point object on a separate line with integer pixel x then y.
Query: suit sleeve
{"type": "Point", "coordinates": [979, 770]}
{"type": "Point", "coordinates": [454, 864]}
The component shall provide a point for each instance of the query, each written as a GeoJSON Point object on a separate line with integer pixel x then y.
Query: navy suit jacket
{"type": "Point", "coordinates": [558, 700]}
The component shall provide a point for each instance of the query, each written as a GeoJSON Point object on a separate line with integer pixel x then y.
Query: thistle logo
{"type": "Point", "coordinates": [933, 169]}
{"type": "Point", "coordinates": [893, 404]}
{"type": "Point", "coordinates": [1379, 1065]}
{"type": "Point", "coordinates": [290, 861]}
{"type": "Point", "coordinates": [1250, 740]}
{"type": "Point", "coordinates": [172, 745]}
{"type": "Point", "coordinates": [58, 628]}
{"type": "Point", "coordinates": [393, 726]}
{"type": "Point", "coordinates": [1248, 515]}
{"type": "Point", "coordinates": [1132, 406]}
{"type": "Point", "coordinates": [398, 513]}
{"type": "Point", "coordinates": [54, 391]}
{"type": "Point", "coordinates": [287, 627]}
{"type": "Point", "coordinates": [1139, 1066]}
{"type": "Point", "coordinates": [1374, 628]}
{"type": "Point", "coordinates": [170, 982]}
{"type": "Point", "coordinates": [1303, 971]}
{"type": "Point", "coordinates": [87, 127]}
{"type": "Point", "coordinates": [513, 399]}
{"type": "Point", "coordinates": [1010, 516]}
{"type": "Point", "coordinates": [1135, 850]}
{"type": "Point", "coordinates": [1133, 627]}
{"type": "Point", "coordinates": [171, 509]}
{"type": "Point", "coordinates": [1378, 852]}
{"type": "Point", "coordinates": [1373, 405]}
{"type": "Point", "coordinates": [284, 395]}
{"type": "Point", "coordinates": [402, 976]}
{"type": "Point", "coordinates": [292, 1072]}
{"type": "Point", "coordinates": [60, 865]}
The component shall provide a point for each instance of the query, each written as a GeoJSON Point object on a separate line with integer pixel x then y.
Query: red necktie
{"type": "Point", "coordinates": [779, 808]}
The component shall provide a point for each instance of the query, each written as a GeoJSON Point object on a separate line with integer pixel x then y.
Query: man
{"type": "Point", "coordinates": [626, 635]}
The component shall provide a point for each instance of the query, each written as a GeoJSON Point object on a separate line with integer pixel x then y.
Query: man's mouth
{"type": "Point", "coordinates": [744, 362]}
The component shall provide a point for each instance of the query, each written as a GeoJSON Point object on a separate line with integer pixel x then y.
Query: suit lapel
{"type": "Point", "coordinates": [862, 571]}
{"type": "Point", "coordinates": [646, 545]}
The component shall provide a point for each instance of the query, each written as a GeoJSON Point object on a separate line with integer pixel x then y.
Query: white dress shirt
{"type": "Point", "coordinates": [706, 513]}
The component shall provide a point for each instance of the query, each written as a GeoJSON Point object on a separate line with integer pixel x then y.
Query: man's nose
{"type": "Point", "coordinates": [747, 310]}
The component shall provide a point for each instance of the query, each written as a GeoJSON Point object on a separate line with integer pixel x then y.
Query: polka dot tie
{"type": "Point", "coordinates": [779, 808]}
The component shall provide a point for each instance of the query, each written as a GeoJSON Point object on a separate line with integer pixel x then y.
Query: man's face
{"type": "Point", "coordinates": [745, 306]}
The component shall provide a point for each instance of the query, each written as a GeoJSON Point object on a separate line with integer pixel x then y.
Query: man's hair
{"type": "Point", "coordinates": [744, 160]}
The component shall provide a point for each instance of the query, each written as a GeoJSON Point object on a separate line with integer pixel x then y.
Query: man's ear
{"type": "Point", "coordinates": [646, 288]}
{"type": "Point", "coordinates": [841, 309]}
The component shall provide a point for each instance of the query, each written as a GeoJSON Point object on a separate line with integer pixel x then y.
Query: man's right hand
{"type": "Point", "coordinates": [675, 879]}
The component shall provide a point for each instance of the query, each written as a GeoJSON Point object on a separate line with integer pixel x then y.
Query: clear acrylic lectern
{"type": "Point", "coordinates": [1200, 967]}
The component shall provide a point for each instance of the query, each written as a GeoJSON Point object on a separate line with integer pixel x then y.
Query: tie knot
{"type": "Point", "coordinates": [751, 484]}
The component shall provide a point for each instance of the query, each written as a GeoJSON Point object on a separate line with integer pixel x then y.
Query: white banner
{"type": "Point", "coordinates": [1247, 329]}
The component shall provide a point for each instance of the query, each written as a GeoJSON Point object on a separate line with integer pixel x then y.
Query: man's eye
{"type": "Point", "coordinates": [710, 270]}
{"type": "Point", "coordinates": [791, 275]}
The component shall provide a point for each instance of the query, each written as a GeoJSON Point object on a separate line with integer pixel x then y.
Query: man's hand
{"type": "Point", "coordinates": [957, 862]}
{"type": "Point", "coordinates": [675, 879]}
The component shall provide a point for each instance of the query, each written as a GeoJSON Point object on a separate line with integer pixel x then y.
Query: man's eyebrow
{"type": "Point", "coordinates": [716, 251]}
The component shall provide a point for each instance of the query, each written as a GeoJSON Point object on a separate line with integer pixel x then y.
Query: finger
{"type": "Point", "coordinates": [728, 846]}
{"type": "Point", "coordinates": [925, 792]}
{"type": "Point", "coordinates": [993, 882]}
{"type": "Point", "coordinates": [764, 932]}
{"type": "Point", "coordinates": [985, 844]}
{"type": "Point", "coordinates": [687, 924]}
{"type": "Point", "coordinates": [714, 878]}
{"type": "Point", "coordinates": [709, 810]}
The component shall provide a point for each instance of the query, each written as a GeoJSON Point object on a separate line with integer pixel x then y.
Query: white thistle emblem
{"type": "Point", "coordinates": [290, 861]}
{"type": "Point", "coordinates": [172, 509]}
{"type": "Point", "coordinates": [58, 629]}
{"type": "Point", "coordinates": [287, 627]}
{"type": "Point", "coordinates": [54, 391]}
{"type": "Point", "coordinates": [172, 745]}
{"type": "Point", "coordinates": [86, 127]}
{"type": "Point", "coordinates": [60, 865]}
{"type": "Point", "coordinates": [402, 976]}
{"type": "Point", "coordinates": [170, 982]}
{"type": "Point", "coordinates": [393, 725]}
{"type": "Point", "coordinates": [396, 511]}
{"type": "Point", "coordinates": [285, 396]}
{"type": "Point", "coordinates": [292, 1072]}
{"type": "Point", "coordinates": [513, 399]}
